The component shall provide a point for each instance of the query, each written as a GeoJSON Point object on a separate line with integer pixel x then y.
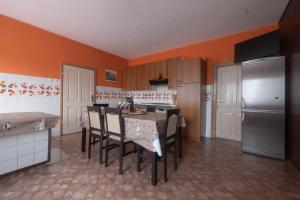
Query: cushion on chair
{"type": "Point", "coordinates": [172, 125]}
{"type": "Point", "coordinates": [170, 141]}
{"type": "Point", "coordinates": [113, 123]}
{"type": "Point", "coordinates": [95, 132]}
{"type": "Point", "coordinates": [95, 120]}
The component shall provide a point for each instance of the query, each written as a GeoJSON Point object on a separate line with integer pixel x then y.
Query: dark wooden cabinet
{"type": "Point", "coordinates": [189, 102]}
{"type": "Point", "coordinates": [160, 69]}
{"type": "Point", "coordinates": [130, 78]}
{"type": "Point", "coordinates": [137, 77]}
{"type": "Point", "coordinates": [191, 75]}
{"type": "Point", "coordinates": [126, 79]}
{"type": "Point", "coordinates": [173, 65]}
{"type": "Point", "coordinates": [149, 71]}
{"type": "Point", "coordinates": [142, 78]}
{"type": "Point", "coordinates": [190, 70]}
{"type": "Point", "coordinates": [186, 76]}
{"type": "Point", "coordinates": [176, 70]}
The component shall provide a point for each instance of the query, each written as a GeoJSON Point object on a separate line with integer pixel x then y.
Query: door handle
{"type": "Point", "coordinates": [92, 98]}
{"type": "Point", "coordinates": [219, 101]}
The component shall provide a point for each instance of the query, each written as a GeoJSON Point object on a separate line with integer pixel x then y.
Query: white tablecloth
{"type": "Point", "coordinates": [143, 129]}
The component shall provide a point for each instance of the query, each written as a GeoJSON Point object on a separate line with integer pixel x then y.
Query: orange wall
{"type": "Point", "coordinates": [216, 51]}
{"type": "Point", "coordinates": [28, 50]}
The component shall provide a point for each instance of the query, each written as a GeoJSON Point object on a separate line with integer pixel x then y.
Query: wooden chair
{"type": "Point", "coordinates": [170, 139]}
{"type": "Point", "coordinates": [115, 130]}
{"type": "Point", "coordinates": [96, 129]}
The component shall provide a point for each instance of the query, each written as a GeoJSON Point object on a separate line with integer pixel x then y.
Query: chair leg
{"type": "Point", "coordinates": [90, 141]}
{"type": "Point", "coordinates": [175, 154]}
{"type": "Point", "coordinates": [106, 150]}
{"type": "Point", "coordinates": [121, 158]}
{"type": "Point", "coordinates": [124, 148]}
{"type": "Point", "coordinates": [142, 155]}
{"type": "Point", "coordinates": [101, 146]}
{"type": "Point", "coordinates": [165, 163]}
{"type": "Point", "coordinates": [138, 159]}
{"type": "Point", "coordinates": [135, 148]}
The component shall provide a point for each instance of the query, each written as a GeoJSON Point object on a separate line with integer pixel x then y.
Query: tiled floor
{"type": "Point", "coordinates": [210, 170]}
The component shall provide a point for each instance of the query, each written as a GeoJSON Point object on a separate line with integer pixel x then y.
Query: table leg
{"type": "Point", "coordinates": [49, 144]}
{"type": "Point", "coordinates": [180, 142]}
{"type": "Point", "coordinates": [154, 169]}
{"type": "Point", "coordinates": [83, 139]}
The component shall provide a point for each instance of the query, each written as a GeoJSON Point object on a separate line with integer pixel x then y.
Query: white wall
{"type": "Point", "coordinates": [206, 117]}
{"type": "Point", "coordinates": [19, 93]}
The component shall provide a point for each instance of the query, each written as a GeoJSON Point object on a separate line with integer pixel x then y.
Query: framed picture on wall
{"type": "Point", "coordinates": [111, 75]}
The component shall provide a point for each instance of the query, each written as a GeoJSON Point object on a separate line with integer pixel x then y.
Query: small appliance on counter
{"type": "Point", "coordinates": [131, 103]}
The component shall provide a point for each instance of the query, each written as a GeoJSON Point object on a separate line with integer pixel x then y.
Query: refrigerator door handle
{"type": "Point", "coordinates": [243, 102]}
{"type": "Point", "coordinates": [243, 116]}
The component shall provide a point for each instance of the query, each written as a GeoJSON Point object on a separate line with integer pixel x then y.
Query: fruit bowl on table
{"type": "Point", "coordinates": [138, 112]}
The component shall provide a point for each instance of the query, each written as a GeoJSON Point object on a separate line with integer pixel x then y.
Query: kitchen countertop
{"type": "Point", "coordinates": [156, 104]}
{"type": "Point", "coordinates": [22, 122]}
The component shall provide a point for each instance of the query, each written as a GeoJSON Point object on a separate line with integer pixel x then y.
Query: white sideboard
{"type": "Point", "coordinates": [22, 150]}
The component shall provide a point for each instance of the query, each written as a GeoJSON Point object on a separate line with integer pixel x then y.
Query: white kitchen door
{"type": "Point", "coordinates": [78, 93]}
{"type": "Point", "coordinates": [228, 116]}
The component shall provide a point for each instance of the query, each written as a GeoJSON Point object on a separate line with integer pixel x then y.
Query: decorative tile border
{"type": "Point", "coordinates": [115, 95]}
{"type": "Point", "coordinates": [25, 86]}
{"type": "Point", "coordinates": [169, 96]}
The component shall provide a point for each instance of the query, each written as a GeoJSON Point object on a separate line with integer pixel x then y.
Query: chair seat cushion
{"type": "Point", "coordinates": [98, 133]}
{"type": "Point", "coordinates": [171, 140]}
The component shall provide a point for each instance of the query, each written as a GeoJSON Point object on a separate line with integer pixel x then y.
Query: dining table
{"type": "Point", "coordinates": [144, 130]}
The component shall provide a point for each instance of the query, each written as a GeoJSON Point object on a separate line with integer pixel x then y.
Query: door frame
{"type": "Point", "coordinates": [62, 88]}
{"type": "Point", "coordinates": [214, 95]}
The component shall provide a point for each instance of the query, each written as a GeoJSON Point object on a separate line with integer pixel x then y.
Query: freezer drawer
{"type": "Point", "coordinates": [263, 133]}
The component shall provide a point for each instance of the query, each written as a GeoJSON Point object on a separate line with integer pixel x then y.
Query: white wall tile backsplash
{"type": "Point", "coordinates": [20, 93]}
{"type": "Point", "coordinates": [115, 95]}
{"type": "Point", "coordinates": [109, 95]}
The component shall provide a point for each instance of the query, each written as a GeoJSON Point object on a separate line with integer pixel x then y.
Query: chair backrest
{"type": "Point", "coordinates": [114, 122]}
{"type": "Point", "coordinates": [160, 111]}
{"type": "Point", "coordinates": [172, 122]}
{"type": "Point", "coordinates": [95, 119]}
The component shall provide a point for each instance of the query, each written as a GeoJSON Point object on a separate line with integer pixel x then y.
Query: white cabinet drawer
{"type": "Point", "coordinates": [8, 166]}
{"type": "Point", "coordinates": [8, 153]}
{"type": "Point", "coordinates": [41, 135]}
{"type": "Point", "coordinates": [25, 161]}
{"type": "Point", "coordinates": [25, 138]}
{"type": "Point", "coordinates": [7, 141]}
{"type": "Point", "coordinates": [41, 146]}
{"type": "Point", "coordinates": [40, 157]}
{"type": "Point", "coordinates": [25, 149]}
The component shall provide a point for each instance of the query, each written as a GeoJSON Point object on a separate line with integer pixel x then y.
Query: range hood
{"type": "Point", "coordinates": [160, 81]}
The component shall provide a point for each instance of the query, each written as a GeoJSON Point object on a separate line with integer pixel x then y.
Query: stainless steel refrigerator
{"type": "Point", "coordinates": [263, 107]}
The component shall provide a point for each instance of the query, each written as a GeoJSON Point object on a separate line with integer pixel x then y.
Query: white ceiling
{"type": "Point", "coordinates": [131, 28]}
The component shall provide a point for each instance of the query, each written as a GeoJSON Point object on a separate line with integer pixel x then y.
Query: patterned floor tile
{"type": "Point", "coordinates": [211, 169]}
